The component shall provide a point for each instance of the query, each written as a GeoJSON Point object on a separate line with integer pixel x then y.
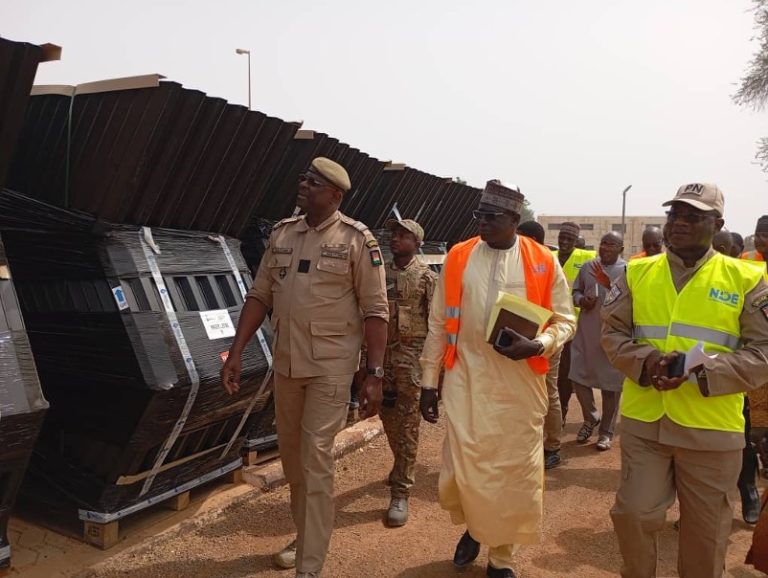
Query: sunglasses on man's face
{"type": "Point", "coordinates": [311, 180]}
{"type": "Point", "coordinates": [690, 218]}
{"type": "Point", "coordinates": [488, 216]}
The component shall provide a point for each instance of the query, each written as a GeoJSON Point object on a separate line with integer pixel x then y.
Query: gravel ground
{"type": "Point", "coordinates": [578, 542]}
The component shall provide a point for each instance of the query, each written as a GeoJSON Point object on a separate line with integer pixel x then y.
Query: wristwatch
{"type": "Point", "coordinates": [541, 348]}
{"type": "Point", "coordinates": [376, 371]}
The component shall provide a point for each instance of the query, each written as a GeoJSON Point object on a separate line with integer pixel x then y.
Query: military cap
{"type": "Point", "coordinates": [333, 172]}
{"type": "Point", "coordinates": [408, 225]}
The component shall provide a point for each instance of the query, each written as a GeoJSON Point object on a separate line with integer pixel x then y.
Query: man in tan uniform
{"type": "Point", "coordinates": [320, 272]}
{"type": "Point", "coordinates": [410, 285]}
{"type": "Point", "coordinates": [693, 450]}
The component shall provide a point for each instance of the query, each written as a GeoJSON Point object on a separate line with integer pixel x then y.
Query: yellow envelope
{"type": "Point", "coordinates": [519, 306]}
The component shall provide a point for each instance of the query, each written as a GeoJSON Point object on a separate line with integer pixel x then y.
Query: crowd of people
{"type": "Point", "coordinates": [673, 338]}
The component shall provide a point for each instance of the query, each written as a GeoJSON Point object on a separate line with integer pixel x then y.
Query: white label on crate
{"type": "Point", "coordinates": [218, 324]}
{"type": "Point", "coordinates": [122, 302]}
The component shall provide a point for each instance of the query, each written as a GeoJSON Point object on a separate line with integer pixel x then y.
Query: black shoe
{"type": "Point", "coordinates": [551, 459]}
{"type": "Point", "coordinates": [492, 572]}
{"type": "Point", "coordinates": [750, 504]}
{"type": "Point", "coordinates": [466, 551]}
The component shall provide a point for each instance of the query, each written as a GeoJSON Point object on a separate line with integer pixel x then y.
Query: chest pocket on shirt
{"type": "Point", "coordinates": [330, 279]}
{"type": "Point", "coordinates": [279, 265]}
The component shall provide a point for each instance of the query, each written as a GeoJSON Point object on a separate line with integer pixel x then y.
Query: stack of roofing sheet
{"type": "Point", "coordinates": [22, 406]}
{"type": "Point", "coordinates": [129, 328]}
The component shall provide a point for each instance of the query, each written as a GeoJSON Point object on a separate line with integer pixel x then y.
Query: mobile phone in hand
{"type": "Point", "coordinates": [503, 339]}
{"type": "Point", "coordinates": [677, 367]}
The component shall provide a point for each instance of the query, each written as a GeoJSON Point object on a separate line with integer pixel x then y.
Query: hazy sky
{"type": "Point", "coordinates": [570, 100]}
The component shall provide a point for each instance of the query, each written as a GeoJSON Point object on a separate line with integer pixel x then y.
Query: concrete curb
{"type": "Point", "coordinates": [271, 476]}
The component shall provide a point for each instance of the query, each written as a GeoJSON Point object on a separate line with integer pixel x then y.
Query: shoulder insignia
{"type": "Point", "coordinates": [372, 243]}
{"type": "Point", "coordinates": [285, 222]}
{"type": "Point", "coordinates": [376, 260]}
{"type": "Point", "coordinates": [353, 223]}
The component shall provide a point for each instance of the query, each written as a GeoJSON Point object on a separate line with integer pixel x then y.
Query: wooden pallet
{"type": "Point", "coordinates": [255, 457]}
{"type": "Point", "coordinates": [105, 534]}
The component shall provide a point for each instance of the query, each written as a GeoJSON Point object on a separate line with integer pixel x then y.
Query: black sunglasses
{"type": "Point", "coordinates": [313, 181]}
{"type": "Point", "coordinates": [489, 216]}
{"type": "Point", "coordinates": [690, 218]}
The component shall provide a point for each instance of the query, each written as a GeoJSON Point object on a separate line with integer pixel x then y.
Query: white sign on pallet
{"type": "Point", "coordinates": [218, 324]}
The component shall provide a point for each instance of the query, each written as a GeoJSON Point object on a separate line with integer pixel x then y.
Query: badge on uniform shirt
{"type": "Point", "coordinates": [760, 301]}
{"type": "Point", "coordinates": [613, 294]}
{"type": "Point", "coordinates": [372, 243]}
{"type": "Point", "coordinates": [375, 257]}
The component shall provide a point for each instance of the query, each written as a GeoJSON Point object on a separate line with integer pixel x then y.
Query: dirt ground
{"type": "Point", "coordinates": [578, 541]}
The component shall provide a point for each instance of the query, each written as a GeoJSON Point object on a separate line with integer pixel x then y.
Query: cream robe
{"type": "Point", "coordinates": [493, 465]}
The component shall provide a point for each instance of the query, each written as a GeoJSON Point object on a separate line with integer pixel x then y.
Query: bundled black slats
{"type": "Point", "coordinates": [116, 376]}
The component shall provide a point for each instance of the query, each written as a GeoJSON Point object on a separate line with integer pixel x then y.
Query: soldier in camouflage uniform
{"type": "Point", "coordinates": [410, 285]}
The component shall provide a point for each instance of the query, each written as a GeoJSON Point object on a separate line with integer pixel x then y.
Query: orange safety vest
{"type": "Point", "coordinates": [752, 256]}
{"type": "Point", "coordinates": [538, 264]}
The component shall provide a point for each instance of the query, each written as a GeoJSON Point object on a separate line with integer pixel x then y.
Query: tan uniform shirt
{"type": "Point", "coordinates": [320, 282]}
{"type": "Point", "coordinates": [736, 372]}
{"type": "Point", "coordinates": [409, 291]}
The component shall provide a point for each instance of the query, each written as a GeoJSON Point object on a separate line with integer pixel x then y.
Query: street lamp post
{"type": "Point", "coordinates": [624, 209]}
{"type": "Point", "coordinates": [248, 52]}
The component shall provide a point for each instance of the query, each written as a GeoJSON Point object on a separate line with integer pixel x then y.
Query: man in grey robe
{"type": "Point", "coordinates": [590, 367]}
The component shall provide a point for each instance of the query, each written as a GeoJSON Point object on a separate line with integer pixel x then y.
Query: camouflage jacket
{"type": "Point", "coordinates": [409, 293]}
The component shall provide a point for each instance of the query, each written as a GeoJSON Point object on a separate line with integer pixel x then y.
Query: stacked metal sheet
{"type": "Point", "coordinates": [22, 406]}
{"type": "Point", "coordinates": [150, 152]}
{"type": "Point", "coordinates": [129, 327]}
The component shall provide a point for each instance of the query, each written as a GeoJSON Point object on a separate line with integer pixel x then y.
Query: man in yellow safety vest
{"type": "Point", "coordinates": [571, 259]}
{"type": "Point", "coordinates": [689, 330]}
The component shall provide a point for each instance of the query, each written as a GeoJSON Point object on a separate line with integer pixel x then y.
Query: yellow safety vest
{"type": "Point", "coordinates": [575, 262]}
{"type": "Point", "coordinates": [573, 265]}
{"type": "Point", "coordinates": [707, 310]}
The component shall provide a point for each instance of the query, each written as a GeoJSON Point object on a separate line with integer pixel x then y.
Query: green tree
{"type": "Point", "coordinates": [527, 214]}
{"type": "Point", "coordinates": [753, 88]}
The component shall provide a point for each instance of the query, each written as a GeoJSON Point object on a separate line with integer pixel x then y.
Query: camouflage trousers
{"type": "Point", "coordinates": [401, 418]}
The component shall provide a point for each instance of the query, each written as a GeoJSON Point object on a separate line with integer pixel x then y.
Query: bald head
{"type": "Point", "coordinates": [722, 242]}
{"type": "Point", "coordinates": [652, 241]}
{"type": "Point", "coordinates": [611, 246]}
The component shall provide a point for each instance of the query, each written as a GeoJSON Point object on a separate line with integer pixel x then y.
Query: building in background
{"type": "Point", "coordinates": [595, 226]}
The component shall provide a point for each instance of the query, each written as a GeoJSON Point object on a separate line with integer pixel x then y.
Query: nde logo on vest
{"type": "Point", "coordinates": [724, 297]}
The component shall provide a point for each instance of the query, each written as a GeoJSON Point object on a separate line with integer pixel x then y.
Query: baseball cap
{"type": "Point", "coordinates": [702, 196]}
{"type": "Point", "coordinates": [408, 225]}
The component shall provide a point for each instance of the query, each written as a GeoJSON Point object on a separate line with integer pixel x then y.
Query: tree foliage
{"type": "Point", "coordinates": [753, 88]}
{"type": "Point", "coordinates": [527, 213]}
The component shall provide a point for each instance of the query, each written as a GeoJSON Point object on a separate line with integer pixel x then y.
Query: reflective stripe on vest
{"type": "Point", "coordinates": [684, 330]}
{"type": "Point", "coordinates": [539, 278]}
{"type": "Point", "coordinates": [707, 310]}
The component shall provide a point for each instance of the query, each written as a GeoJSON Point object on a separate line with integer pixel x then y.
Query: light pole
{"type": "Point", "coordinates": [624, 209]}
{"type": "Point", "coordinates": [248, 52]}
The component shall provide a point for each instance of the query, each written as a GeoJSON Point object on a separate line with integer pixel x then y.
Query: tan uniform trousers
{"type": "Point", "coordinates": [401, 418]}
{"type": "Point", "coordinates": [553, 421]}
{"type": "Point", "coordinates": [310, 412]}
{"type": "Point", "coordinates": [651, 475]}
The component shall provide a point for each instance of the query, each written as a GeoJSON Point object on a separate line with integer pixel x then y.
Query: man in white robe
{"type": "Point", "coordinates": [492, 475]}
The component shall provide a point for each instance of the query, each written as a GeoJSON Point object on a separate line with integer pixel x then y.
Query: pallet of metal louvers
{"type": "Point", "coordinates": [118, 367]}
{"type": "Point", "coordinates": [22, 405]}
